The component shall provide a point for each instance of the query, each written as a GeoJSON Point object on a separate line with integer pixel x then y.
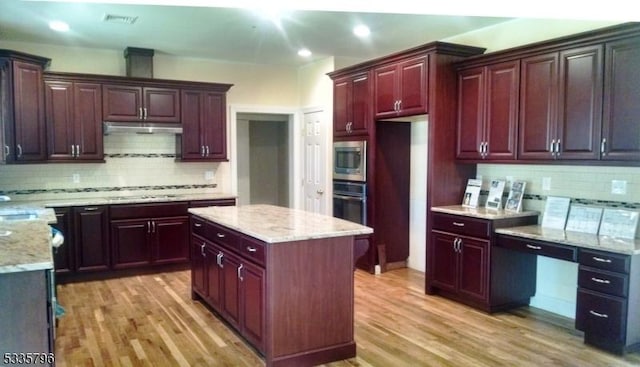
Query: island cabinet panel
{"type": "Point", "coordinates": [621, 126]}
{"type": "Point", "coordinates": [292, 301]}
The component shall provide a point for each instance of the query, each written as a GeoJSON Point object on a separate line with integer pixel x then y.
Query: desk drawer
{"type": "Point", "coordinates": [467, 226]}
{"type": "Point", "coordinates": [603, 281]}
{"type": "Point", "coordinates": [600, 315]}
{"type": "Point", "coordinates": [537, 247]}
{"type": "Point", "coordinates": [605, 260]}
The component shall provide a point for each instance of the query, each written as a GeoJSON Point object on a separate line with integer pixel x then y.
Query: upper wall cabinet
{"type": "Point", "coordinates": [575, 99]}
{"type": "Point", "coordinates": [136, 103]}
{"type": "Point", "coordinates": [488, 111]}
{"type": "Point", "coordinates": [74, 120]}
{"type": "Point", "coordinates": [204, 123]}
{"type": "Point", "coordinates": [22, 131]}
{"type": "Point", "coordinates": [621, 119]}
{"type": "Point", "coordinates": [352, 105]}
{"type": "Point", "coordinates": [400, 88]}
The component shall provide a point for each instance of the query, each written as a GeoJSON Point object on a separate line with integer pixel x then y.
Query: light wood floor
{"type": "Point", "coordinates": [150, 320]}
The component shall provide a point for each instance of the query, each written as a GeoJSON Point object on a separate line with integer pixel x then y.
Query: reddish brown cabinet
{"type": "Point", "coordinates": [74, 120]}
{"type": "Point", "coordinates": [400, 88]}
{"type": "Point", "coordinates": [488, 112]}
{"type": "Point", "coordinates": [22, 107]}
{"type": "Point", "coordinates": [621, 118]}
{"type": "Point", "coordinates": [63, 258]}
{"type": "Point", "coordinates": [204, 125]}
{"type": "Point", "coordinates": [138, 103]}
{"type": "Point", "coordinates": [352, 107]}
{"type": "Point", "coordinates": [91, 238]}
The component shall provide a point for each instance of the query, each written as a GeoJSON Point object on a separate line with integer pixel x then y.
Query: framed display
{"type": "Point", "coordinates": [516, 193]}
{"type": "Point", "coordinates": [584, 219]}
{"type": "Point", "coordinates": [555, 212]}
{"type": "Point", "coordinates": [472, 193]}
{"type": "Point", "coordinates": [619, 223]}
{"type": "Point", "coordinates": [494, 200]}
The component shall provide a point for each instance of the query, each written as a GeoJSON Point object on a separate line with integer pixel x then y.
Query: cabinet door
{"type": "Point", "coordinates": [252, 285]}
{"type": "Point", "coordinates": [360, 104]}
{"type": "Point", "coordinates": [130, 242]}
{"type": "Point", "coordinates": [412, 87]}
{"type": "Point", "coordinates": [385, 91]}
{"type": "Point", "coordinates": [231, 289]}
{"type": "Point", "coordinates": [341, 105]}
{"type": "Point", "coordinates": [204, 126]}
{"type": "Point", "coordinates": [91, 240]}
{"type": "Point", "coordinates": [198, 272]}
{"type": "Point", "coordinates": [161, 105]}
{"type": "Point", "coordinates": [170, 240]}
{"type": "Point", "coordinates": [214, 126]}
{"type": "Point", "coordinates": [214, 274]}
{"type": "Point", "coordinates": [621, 115]}
{"type": "Point", "coordinates": [121, 103]}
{"type": "Point", "coordinates": [501, 110]}
{"type": "Point", "coordinates": [60, 119]}
{"type": "Point", "coordinates": [192, 107]}
{"type": "Point", "coordinates": [470, 133]}
{"type": "Point", "coordinates": [580, 103]}
{"type": "Point", "coordinates": [63, 255]}
{"type": "Point", "coordinates": [87, 116]}
{"type": "Point", "coordinates": [474, 269]}
{"type": "Point", "coordinates": [445, 261]}
{"type": "Point", "coordinates": [538, 99]}
{"type": "Point", "coordinates": [29, 107]}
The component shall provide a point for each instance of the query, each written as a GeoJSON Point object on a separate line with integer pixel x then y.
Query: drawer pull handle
{"type": "Point", "coordinates": [240, 272]}
{"type": "Point", "coordinates": [534, 247]}
{"type": "Point", "coordinates": [197, 225]}
{"type": "Point", "coordinates": [204, 254]}
{"type": "Point", "coordinates": [599, 259]}
{"type": "Point", "coordinates": [91, 209]}
{"type": "Point", "coordinates": [220, 235]}
{"type": "Point", "coordinates": [458, 224]}
{"type": "Point", "coordinates": [251, 249]}
{"type": "Point", "coordinates": [601, 315]}
{"type": "Point", "coordinates": [219, 259]}
{"type": "Point", "coordinates": [603, 281]}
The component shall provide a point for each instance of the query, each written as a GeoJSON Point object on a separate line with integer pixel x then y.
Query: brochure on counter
{"type": "Point", "coordinates": [472, 193]}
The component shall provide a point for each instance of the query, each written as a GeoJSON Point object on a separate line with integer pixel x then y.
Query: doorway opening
{"type": "Point", "coordinates": [264, 164]}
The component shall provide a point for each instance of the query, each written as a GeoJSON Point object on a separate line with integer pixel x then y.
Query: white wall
{"type": "Point", "coordinates": [418, 196]}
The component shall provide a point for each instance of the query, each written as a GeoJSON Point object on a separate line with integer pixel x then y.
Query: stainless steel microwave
{"type": "Point", "coordinates": [350, 160]}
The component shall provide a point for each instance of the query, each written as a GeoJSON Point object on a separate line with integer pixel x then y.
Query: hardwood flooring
{"type": "Point", "coordinates": [150, 320]}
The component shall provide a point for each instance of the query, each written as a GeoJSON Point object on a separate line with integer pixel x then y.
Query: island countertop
{"type": "Point", "coordinates": [273, 224]}
{"type": "Point", "coordinates": [25, 245]}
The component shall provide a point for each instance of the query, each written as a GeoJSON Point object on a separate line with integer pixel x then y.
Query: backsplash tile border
{"type": "Point", "coordinates": [106, 189]}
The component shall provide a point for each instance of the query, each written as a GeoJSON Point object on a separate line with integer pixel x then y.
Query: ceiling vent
{"type": "Point", "coordinates": [122, 19]}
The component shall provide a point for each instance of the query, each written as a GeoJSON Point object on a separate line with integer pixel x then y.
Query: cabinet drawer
{"type": "Point", "coordinates": [252, 249]}
{"type": "Point", "coordinates": [222, 236]}
{"type": "Point", "coordinates": [537, 247]}
{"type": "Point", "coordinates": [467, 226]}
{"type": "Point", "coordinates": [127, 211]}
{"type": "Point", "coordinates": [601, 315]}
{"type": "Point", "coordinates": [198, 226]}
{"type": "Point", "coordinates": [605, 260]}
{"type": "Point", "coordinates": [603, 281]}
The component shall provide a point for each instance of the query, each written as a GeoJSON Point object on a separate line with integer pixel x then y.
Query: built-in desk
{"type": "Point", "coordinates": [608, 299]}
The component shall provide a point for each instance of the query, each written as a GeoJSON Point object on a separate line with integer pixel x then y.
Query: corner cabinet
{"type": "Point", "coordinates": [74, 120]}
{"type": "Point", "coordinates": [204, 125]}
{"type": "Point", "coordinates": [400, 88]}
{"type": "Point", "coordinates": [488, 112]}
{"type": "Point", "coordinates": [461, 260]}
{"type": "Point", "coordinates": [22, 121]}
{"type": "Point", "coordinates": [352, 107]}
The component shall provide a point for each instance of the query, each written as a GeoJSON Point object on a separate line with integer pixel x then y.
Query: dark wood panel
{"type": "Point", "coordinates": [603, 281]}
{"type": "Point", "coordinates": [170, 240]}
{"type": "Point", "coordinates": [151, 210]}
{"type": "Point", "coordinates": [129, 243]}
{"type": "Point", "coordinates": [557, 251]}
{"type": "Point", "coordinates": [605, 260]}
{"type": "Point", "coordinates": [601, 316]}
{"type": "Point", "coordinates": [444, 266]}
{"type": "Point", "coordinates": [161, 104]}
{"type": "Point", "coordinates": [413, 83]}
{"type": "Point", "coordinates": [63, 258]}
{"type": "Point", "coordinates": [467, 226]}
{"type": "Point", "coordinates": [87, 114]}
{"type": "Point", "coordinates": [252, 287]}
{"type": "Point", "coordinates": [91, 238]}
{"type": "Point", "coordinates": [121, 102]}
{"type": "Point", "coordinates": [29, 110]}
{"type": "Point", "coordinates": [502, 83]}
{"type": "Point", "coordinates": [470, 128]}
{"type": "Point", "coordinates": [385, 80]}
{"type": "Point", "coordinates": [474, 269]}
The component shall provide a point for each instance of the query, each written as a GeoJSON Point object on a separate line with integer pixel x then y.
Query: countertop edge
{"type": "Point", "coordinates": [482, 212]}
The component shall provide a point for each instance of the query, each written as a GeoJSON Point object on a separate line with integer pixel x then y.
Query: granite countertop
{"type": "Point", "coordinates": [122, 199]}
{"type": "Point", "coordinates": [577, 239]}
{"type": "Point", "coordinates": [481, 212]}
{"type": "Point", "coordinates": [25, 245]}
{"type": "Point", "coordinates": [273, 224]}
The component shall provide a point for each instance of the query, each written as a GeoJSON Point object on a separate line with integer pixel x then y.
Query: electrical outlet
{"type": "Point", "coordinates": [76, 178]}
{"type": "Point", "coordinates": [619, 187]}
{"type": "Point", "coordinates": [208, 175]}
{"type": "Point", "coordinates": [546, 183]}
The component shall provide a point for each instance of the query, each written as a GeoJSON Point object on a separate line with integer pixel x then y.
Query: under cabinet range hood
{"type": "Point", "coordinates": [110, 127]}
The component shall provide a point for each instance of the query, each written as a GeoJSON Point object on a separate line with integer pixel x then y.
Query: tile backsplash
{"type": "Point", "coordinates": [133, 163]}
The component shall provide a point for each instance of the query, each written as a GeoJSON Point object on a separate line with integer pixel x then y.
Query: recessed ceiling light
{"type": "Point", "coordinates": [361, 30]}
{"type": "Point", "coordinates": [59, 26]}
{"type": "Point", "coordinates": [304, 52]}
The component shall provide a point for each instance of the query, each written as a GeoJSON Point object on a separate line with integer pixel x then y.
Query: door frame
{"type": "Point", "coordinates": [294, 146]}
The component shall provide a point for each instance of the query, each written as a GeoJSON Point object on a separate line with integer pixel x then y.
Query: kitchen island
{"type": "Point", "coordinates": [282, 278]}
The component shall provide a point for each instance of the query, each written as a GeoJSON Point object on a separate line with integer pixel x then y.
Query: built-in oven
{"type": "Point", "coordinates": [350, 160]}
{"type": "Point", "coordinates": [350, 201]}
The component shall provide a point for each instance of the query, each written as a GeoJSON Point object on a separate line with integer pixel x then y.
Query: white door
{"type": "Point", "coordinates": [315, 163]}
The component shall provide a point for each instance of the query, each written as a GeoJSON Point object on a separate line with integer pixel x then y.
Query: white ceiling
{"type": "Point", "coordinates": [235, 34]}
